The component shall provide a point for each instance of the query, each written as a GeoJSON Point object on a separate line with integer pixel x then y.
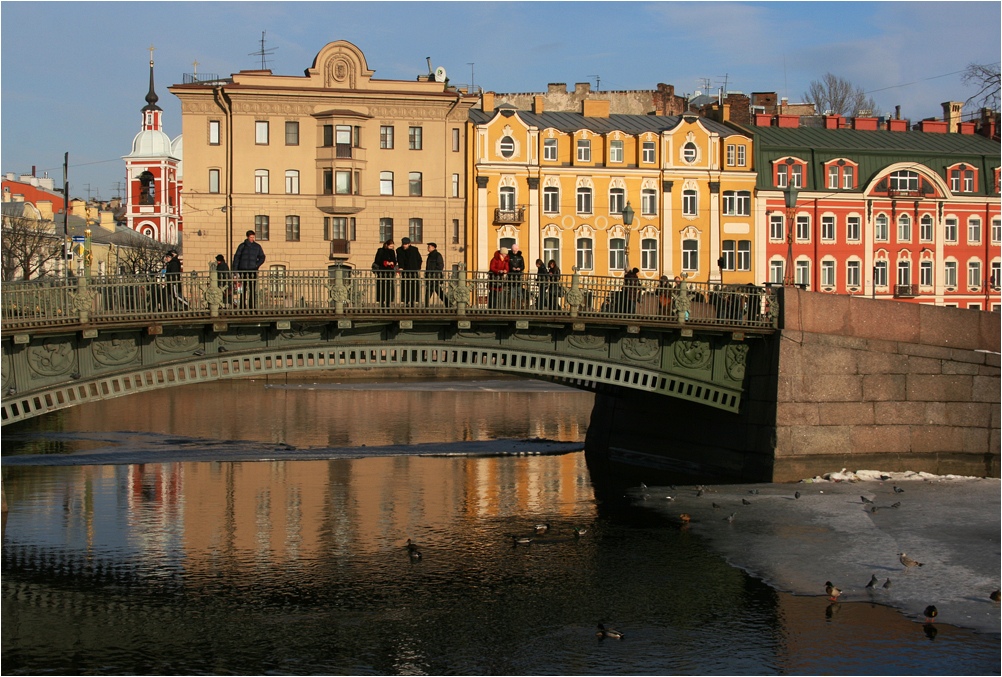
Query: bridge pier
{"type": "Point", "coordinates": [848, 382]}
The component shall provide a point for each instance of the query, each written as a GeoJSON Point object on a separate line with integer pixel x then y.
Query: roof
{"type": "Point", "coordinates": [877, 140]}
{"type": "Point", "coordinates": [631, 124]}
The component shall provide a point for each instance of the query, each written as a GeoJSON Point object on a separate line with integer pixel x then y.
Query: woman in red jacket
{"type": "Point", "coordinates": [496, 276]}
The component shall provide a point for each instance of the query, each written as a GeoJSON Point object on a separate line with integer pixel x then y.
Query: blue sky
{"type": "Point", "coordinates": [74, 75]}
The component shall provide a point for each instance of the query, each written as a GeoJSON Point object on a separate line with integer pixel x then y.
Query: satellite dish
{"type": "Point", "coordinates": [439, 74]}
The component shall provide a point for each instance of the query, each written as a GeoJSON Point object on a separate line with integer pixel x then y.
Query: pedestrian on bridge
{"type": "Point", "coordinates": [433, 272]}
{"type": "Point", "coordinates": [223, 279]}
{"type": "Point", "coordinates": [516, 268]}
{"type": "Point", "coordinates": [497, 272]}
{"type": "Point", "coordinates": [385, 268]}
{"type": "Point", "coordinates": [409, 260]}
{"type": "Point", "coordinates": [246, 261]}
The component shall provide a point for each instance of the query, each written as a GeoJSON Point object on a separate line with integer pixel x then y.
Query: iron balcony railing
{"type": "Point", "coordinates": [344, 292]}
{"type": "Point", "coordinates": [511, 215]}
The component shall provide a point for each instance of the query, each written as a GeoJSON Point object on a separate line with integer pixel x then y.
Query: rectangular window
{"type": "Point", "coordinates": [342, 182]}
{"type": "Point", "coordinates": [776, 271]}
{"type": "Point", "coordinates": [649, 254]}
{"type": "Point", "coordinates": [385, 229]}
{"type": "Point", "coordinates": [996, 278]}
{"type": "Point", "coordinates": [617, 254]}
{"type": "Point", "coordinates": [973, 274]}
{"type": "Point", "coordinates": [328, 136]}
{"type": "Point", "coordinates": [777, 227]}
{"type": "Point", "coordinates": [455, 185]}
{"type": "Point", "coordinates": [969, 181]}
{"type": "Point", "coordinates": [616, 151]}
{"type": "Point", "coordinates": [904, 228]}
{"type": "Point", "coordinates": [880, 274]}
{"type": "Point", "coordinates": [292, 182]}
{"type": "Point", "coordinates": [291, 133]}
{"type": "Point", "coordinates": [385, 184]}
{"type": "Point", "coordinates": [950, 274]}
{"type": "Point", "coordinates": [455, 139]}
{"type": "Point", "coordinates": [797, 176]}
{"type": "Point", "coordinates": [803, 273]}
{"type": "Point", "coordinates": [852, 228]}
{"type": "Point", "coordinates": [455, 231]}
{"type": "Point", "coordinates": [690, 255]}
{"type": "Point", "coordinates": [732, 154]}
{"type": "Point", "coordinates": [737, 203]}
{"type": "Point", "coordinates": [828, 273]}
{"type": "Point", "coordinates": [415, 230]}
{"type": "Point", "coordinates": [328, 182]}
{"type": "Point", "coordinates": [356, 136]}
{"type": "Point", "coordinates": [689, 203]}
{"type": "Point", "coordinates": [342, 141]}
{"type": "Point", "coordinates": [744, 251]}
{"type": "Point", "coordinates": [782, 176]}
{"type": "Point", "coordinates": [213, 180]}
{"type": "Point", "coordinates": [950, 229]}
{"type": "Point", "coordinates": [852, 273]}
{"type": "Point", "coordinates": [213, 132]}
{"type": "Point", "coordinates": [414, 141]}
{"type": "Point", "coordinates": [728, 254]}
{"type": "Point", "coordinates": [550, 150]}
{"type": "Point", "coordinates": [617, 200]}
{"type": "Point", "coordinates": [741, 156]}
{"type": "Point", "coordinates": [904, 273]}
{"type": "Point", "coordinates": [584, 201]}
{"type": "Point", "coordinates": [551, 249]}
{"type": "Point", "coordinates": [996, 231]}
{"type": "Point", "coordinates": [584, 150]}
{"type": "Point", "coordinates": [414, 184]}
{"type": "Point", "coordinates": [292, 229]}
{"type": "Point", "coordinates": [386, 137]}
{"type": "Point", "coordinates": [649, 152]}
{"type": "Point", "coordinates": [335, 228]}
{"type": "Point", "coordinates": [925, 273]}
{"type": "Point", "coordinates": [925, 228]}
{"type": "Point", "coordinates": [585, 253]}
{"type": "Point", "coordinates": [261, 132]}
{"type": "Point", "coordinates": [880, 233]}
{"type": "Point", "coordinates": [262, 227]}
{"type": "Point", "coordinates": [803, 228]}
{"type": "Point", "coordinates": [974, 231]}
{"type": "Point", "coordinates": [848, 177]}
{"type": "Point", "coordinates": [648, 202]}
{"type": "Point", "coordinates": [828, 228]}
{"type": "Point", "coordinates": [551, 200]}
{"type": "Point", "coordinates": [260, 180]}
{"type": "Point", "coordinates": [833, 176]}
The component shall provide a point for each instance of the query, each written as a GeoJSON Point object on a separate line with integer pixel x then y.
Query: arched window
{"type": "Point", "coordinates": [260, 180]}
{"type": "Point", "coordinates": [617, 253]}
{"type": "Point", "coordinates": [585, 253]}
{"type": "Point", "coordinates": [147, 189]}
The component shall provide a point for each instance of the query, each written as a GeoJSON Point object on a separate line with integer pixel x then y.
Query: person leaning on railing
{"type": "Point", "coordinates": [385, 268]}
{"type": "Point", "coordinates": [223, 279]}
{"type": "Point", "coordinates": [246, 261]}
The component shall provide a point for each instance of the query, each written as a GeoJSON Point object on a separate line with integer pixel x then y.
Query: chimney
{"type": "Point", "coordinates": [865, 123]}
{"type": "Point", "coordinates": [832, 121]}
{"type": "Point", "coordinates": [951, 114]}
{"type": "Point", "coordinates": [934, 126]}
{"type": "Point", "coordinates": [537, 104]}
{"type": "Point", "coordinates": [487, 102]}
{"type": "Point", "coordinates": [788, 121]}
{"type": "Point", "coordinates": [595, 108]}
{"type": "Point", "coordinates": [897, 112]}
{"type": "Point", "coordinates": [897, 124]}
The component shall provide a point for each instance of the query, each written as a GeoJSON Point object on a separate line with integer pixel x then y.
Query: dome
{"type": "Point", "coordinates": [177, 150]}
{"type": "Point", "coordinates": [151, 143]}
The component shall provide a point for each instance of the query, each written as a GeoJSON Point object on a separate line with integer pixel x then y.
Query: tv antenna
{"type": "Point", "coordinates": [598, 82]}
{"type": "Point", "coordinates": [263, 53]}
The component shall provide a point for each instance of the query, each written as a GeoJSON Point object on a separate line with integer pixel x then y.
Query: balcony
{"type": "Point", "coordinates": [340, 205]}
{"type": "Point", "coordinates": [905, 291]}
{"type": "Point", "coordinates": [340, 250]}
{"type": "Point", "coordinates": [515, 215]}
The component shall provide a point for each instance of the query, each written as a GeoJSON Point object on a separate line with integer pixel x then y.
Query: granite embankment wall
{"type": "Point", "coordinates": [848, 382]}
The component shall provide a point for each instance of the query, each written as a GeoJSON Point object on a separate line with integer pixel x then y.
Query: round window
{"type": "Point", "coordinates": [507, 147]}
{"type": "Point", "coordinates": [689, 152]}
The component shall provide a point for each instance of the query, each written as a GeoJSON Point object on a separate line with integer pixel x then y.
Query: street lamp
{"type": "Point", "coordinates": [627, 222]}
{"type": "Point", "coordinates": [790, 196]}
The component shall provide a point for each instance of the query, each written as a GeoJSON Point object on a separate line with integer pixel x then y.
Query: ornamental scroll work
{"type": "Point", "coordinates": [115, 351]}
{"type": "Point", "coordinates": [693, 354]}
{"type": "Point", "coordinates": [642, 349]}
{"type": "Point", "coordinates": [339, 72]}
{"type": "Point", "coordinates": [51, 358]}
{"type": "Point", "coordinates": [735, 359]}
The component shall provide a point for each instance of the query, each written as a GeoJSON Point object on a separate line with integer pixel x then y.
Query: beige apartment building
{"type": "Point", "coordinates": [323, 166]}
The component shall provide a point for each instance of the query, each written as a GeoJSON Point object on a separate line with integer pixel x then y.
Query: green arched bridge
{"type": "Point", "coordinates": [66, 342]}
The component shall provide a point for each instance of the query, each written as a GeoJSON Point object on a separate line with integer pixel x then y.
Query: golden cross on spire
{"type": "Point", "coordinates": [195, 65]}
{"type": "Point", "coordinates": [151, 54]}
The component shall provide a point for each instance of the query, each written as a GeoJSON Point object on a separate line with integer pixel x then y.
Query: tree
{"type": "Point", "coordinates": [841, 97]}
{"type": "Point", "coordinates": [987, 79]}
{"type": "Point", "coordinates": [142, 256]}
{"type": "Point", "coordinates": [29, 246]}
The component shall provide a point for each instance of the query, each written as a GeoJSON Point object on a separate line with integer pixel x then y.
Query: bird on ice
{"type": "Point", "coordinates": [832, 592]}
{"type": "Point", "coordinates": [796, 494]}
{"type": "Point", "coordinates": [730, 518]}
{"type": "Point", "coordinates": [865, 499]}
{"type": "Point", "coordinates": [873, 582]}
{"type": "Point", "coordinates": [930, 613]}
{"type": "Point", "coordinates": [604, 632]}
{"type": "Point", "coordinates": [898, 490]}
{"type": "Point", "coordinates": [887, 584]}
{"type": "Point", "coordinates": [745, 501]}
{"type": "Point", "coordinates": [908, 561]}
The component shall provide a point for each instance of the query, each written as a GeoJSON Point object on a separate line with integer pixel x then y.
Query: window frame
{"type": "Point", "coordinates": [648, 253]}
{"type": "Point", "coordinates": [213, 180]}
{"type": "Point", "coordinates": [292, 182]}
{"type": "Point", "coordinates": [584, 200]}
{"type": "Point", "coordinates": [583, 150]}
{"type": "Point", "coordinates": [262, 182]}
{"type": "Point", "coordinates": [291, 133]}
{"type": "Point", "coordinates": [584, 253]}
{"type": "Point", "coordinates": [690, 255]}
{"type": "Point", "coordinates": [617, 199]}
{"type": "Point", "coordinates": [550, 150]}
{"type": "Point", "coordinates": [551, 200]}
{"type": "Point", "coordinates": [215, 133]}
{"type": "Point", "coordinates": [262, 227]}
{"type": "Point", "coordinates": [743, 262]}
{"type": "Point", "coordinates": [648, 151]}
{"type": "Point", "coordinates": [415, 184]}
{"type": "Point", "coordinates": [415, 137]}
{"type": "Point", "coordinates": [386, 138]}
{"type": "Point", "coordinates": [617, 253]}
{"type": "Point", "coordinates": [648, 202]}
{"type": "Point", "coordinates": [342, 182]}
{"type": "Point", "coordinates": [292, 224]}
{"type": "Point", "coordinates": [690, 202]}
{"type": "Point", "coordinates": [261, 133]}
{"type": "Point", "coordinates": [616, 151]}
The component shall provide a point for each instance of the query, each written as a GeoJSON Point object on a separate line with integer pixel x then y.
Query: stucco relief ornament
{"type": "Point", "coordinates": [586, 341]}
{"type": "Point", "coordinates": [50, 359]}
{"type": "Point", "coordinates": [459, 292]}
{"type": "Point", "coordinates": [82, 301]}
{"type": "Point", "coordinates": [641, 349]}
{"type": "Point", "coordinates": [115, 351]}
{"type": "Point", "coordinates": [735, 358]}
{"type": "Point", "coordinates": [302, 332]}
{"type": "Point", "coordinates": [682, 303]}
{"type": "Point", "coordinates": [179, 343]}
{"type": "Point", "coordinates": [213, 294]}
{"type": "Point", "coordinates": [692, 353]}
{"type": "Point", "coordinates": [575, 297]}
{"type": "Point", "coordinates": [339, 293]}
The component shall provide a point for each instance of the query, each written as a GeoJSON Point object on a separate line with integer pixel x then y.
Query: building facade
{"type": "Point", "coordinates": [893, 212]}
{"type": "Point", "coordinates": [557, 183]}
{"type": "Point", "coordinates": [324, 167]}
{"type": "Point", "coordinates": [153, 177]}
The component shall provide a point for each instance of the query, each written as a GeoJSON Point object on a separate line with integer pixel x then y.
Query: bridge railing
{"type": "Point", "coordinates": [55, 302]}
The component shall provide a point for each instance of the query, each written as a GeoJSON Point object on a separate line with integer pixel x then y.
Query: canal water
{"type": "Point", "coordinates": [171, 556]}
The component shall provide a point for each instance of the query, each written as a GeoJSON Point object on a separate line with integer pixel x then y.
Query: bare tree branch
{"type": "Point", "coordinates": [29, 245]}
{"type": "Point", "coordinates": [841, 97]}
{"type": "Point", "coordinates": [988, 80]}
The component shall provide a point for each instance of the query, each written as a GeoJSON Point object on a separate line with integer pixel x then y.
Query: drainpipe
{"type": "Point", "coordinates": [223, 101]}
{"type": "Point", "coordinates": [986, 232]}
{"type": "Point", "coordinates": [447, 188]}
{"type": "Point", "coordinates": [816, 272]}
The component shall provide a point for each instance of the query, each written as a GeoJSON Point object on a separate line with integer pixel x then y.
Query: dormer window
{"type": "Point", "coordinates": [689, 152]}
{"type": "Point", "coordinates": [789, 171]}
{"type": "Point", "coordinates": [841, 175]}
{"type": "Point", "coordinates": [963, 178]}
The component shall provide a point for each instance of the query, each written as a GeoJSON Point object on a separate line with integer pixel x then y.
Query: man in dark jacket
{"type": "Point", "coordinates": [433, 267]}
{"type": "Point", "coordinates": [246, 260]}
{"type": "Point", "coordinates": [172, 276]}
{"type": "Point", "coordinates": [409, 260]}
{"type": "Point", "coordinates": [516, 267]}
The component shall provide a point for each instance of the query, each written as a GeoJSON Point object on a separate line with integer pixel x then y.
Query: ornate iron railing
{"type": "Point", "coordinates": [55, 302]}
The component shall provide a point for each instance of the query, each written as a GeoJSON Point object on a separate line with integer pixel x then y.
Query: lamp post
{"type": "Point", "coordinates": [790, 197]}
{"type": "Point", "coordinates": [627, 223]}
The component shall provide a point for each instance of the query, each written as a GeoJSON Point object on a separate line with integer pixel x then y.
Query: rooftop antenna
{"type": "Point", "coordinates": [598, 82]}
{"type": "Point", "coordinates": [470, 64]}
{"type": "Point", "coordinates": [724, 90]}
{"type": "Point", "coordinates": [704, 84]}
{"type": "Point", "coordinates": [263, 53]}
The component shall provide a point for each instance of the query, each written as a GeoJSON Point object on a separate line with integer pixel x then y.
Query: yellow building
{"type": "Point", "coordinates": [323, 166]}
{"type": "Point", "coordinates": [557, 183]}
